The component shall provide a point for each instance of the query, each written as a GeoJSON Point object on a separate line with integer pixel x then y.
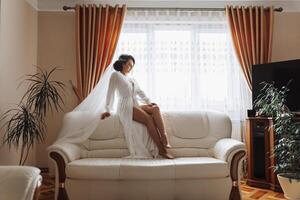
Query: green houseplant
{"type": "Point", "coordinates": [25, 125]}
{"type": "Point", "coordinates": [271, 102]}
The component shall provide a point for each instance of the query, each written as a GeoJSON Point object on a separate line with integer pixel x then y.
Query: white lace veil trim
{"type": "Point", "coordinates": [80, 123]}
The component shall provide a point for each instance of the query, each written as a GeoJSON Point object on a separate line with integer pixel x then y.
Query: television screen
{"type": "Point", "coordinates": [280, 73]}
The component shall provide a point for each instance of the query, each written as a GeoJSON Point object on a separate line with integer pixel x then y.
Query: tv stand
{"type": "Point", "coordinates": [260, 141]}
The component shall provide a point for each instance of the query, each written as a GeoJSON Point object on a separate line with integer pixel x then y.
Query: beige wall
{"type": "Point", "coordinates": [18, 55]}
{"type": "Point", "coordinates": [56, 48]}
{"type": "Point", "coordinates": [286, 38]}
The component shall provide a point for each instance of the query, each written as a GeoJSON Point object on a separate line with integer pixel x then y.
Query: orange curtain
{"type": "Point", "coordinates": [252, 30]}
{"type": "Point", "coordinates": [97, 32]}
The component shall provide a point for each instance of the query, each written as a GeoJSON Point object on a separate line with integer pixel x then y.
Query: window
{"type": "Point", "coordinates": [184, 61]}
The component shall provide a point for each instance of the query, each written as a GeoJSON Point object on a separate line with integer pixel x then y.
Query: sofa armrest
{"type": "Point", "coordinates": [68, 151]}
{"type": "Point", "coordinates": [62, 154]}
{"type": "Point", "coordinates": [232, 151]}
{"type": "Point", "coordinates": [225, 148]}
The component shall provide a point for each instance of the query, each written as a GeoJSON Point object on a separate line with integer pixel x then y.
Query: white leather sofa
{"type": "Point", "coordinates": [205, 168]}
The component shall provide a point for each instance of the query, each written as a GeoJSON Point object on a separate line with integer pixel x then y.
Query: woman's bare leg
{"type": "Point", "coordinates": [141, 116]}
{"type": "Point", "coordinates": [155, 112]}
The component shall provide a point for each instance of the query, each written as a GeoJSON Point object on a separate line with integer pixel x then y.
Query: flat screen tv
{"type": "Point", "coordinates": [279, 73]}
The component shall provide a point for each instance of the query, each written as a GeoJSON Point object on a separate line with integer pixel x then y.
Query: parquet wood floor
{"type": "Point", "coordinates": [47, 190]}
{"type": "Point", "coordinates": [248, 193]}
{"type": "Point", "coordinates": [251, 193]}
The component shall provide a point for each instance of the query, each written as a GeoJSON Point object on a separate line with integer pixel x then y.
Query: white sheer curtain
{"type": "Point", "coordinates": [184, 61]}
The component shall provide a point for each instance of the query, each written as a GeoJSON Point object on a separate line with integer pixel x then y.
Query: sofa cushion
{"type": "Point", "coordinates": [190, 134]}
{"type": "Point", "coordinates": [117, 143]}
{"type": "Point", "coordinates": [200, 167]}
{"type": "Point", "coordinates": [105, 153]}
{"type": "Point", "coordinates": [107, 129]}
{"type": "Point", "coordinates": [144, 169]}
{"type": "Point", "coordinates": [187, 125]}
{"type": "Point", "coordinates": [113, 169]}
{"type": "Point", "coordinates": [94, 168]}
{"type": "Point", "coordinates": [147, 169]}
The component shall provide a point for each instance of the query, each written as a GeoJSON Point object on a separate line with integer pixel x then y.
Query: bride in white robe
{"type": "Point", "coordinates": [142, 140]}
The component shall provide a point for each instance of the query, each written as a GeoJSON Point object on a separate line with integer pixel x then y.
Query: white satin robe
{"type": "Point", "coordinates": [139, 142]}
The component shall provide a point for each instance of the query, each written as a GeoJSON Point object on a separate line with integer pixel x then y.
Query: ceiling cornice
{"type": "Point", "coordinates": [56, 5]}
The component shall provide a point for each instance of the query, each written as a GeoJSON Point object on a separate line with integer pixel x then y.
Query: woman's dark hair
{"type": "Point", "coordinates": [118, 65]}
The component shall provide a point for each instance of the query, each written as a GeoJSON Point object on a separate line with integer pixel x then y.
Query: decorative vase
{"type": "Point", "coordinates": [291, 188]}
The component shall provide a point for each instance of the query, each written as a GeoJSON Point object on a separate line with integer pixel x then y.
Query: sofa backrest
{"type": "Point", "coordinates": [190, 134]}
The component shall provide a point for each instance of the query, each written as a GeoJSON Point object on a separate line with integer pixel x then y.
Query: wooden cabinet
{"type": "Point", "coordinates": [260, 141]}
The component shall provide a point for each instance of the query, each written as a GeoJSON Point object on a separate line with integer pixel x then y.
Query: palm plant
{"type": "Point", "coordinates": [25, 124]}
{"type": "Point", "coordinates": [44, 93]}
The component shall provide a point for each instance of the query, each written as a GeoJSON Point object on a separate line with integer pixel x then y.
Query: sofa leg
{"type": "Point", "coordinates": [62, 194]}
{"type": "Point", "coordinates": [37, 193]}
{"type": "Point", "coordinates": [235, 192]}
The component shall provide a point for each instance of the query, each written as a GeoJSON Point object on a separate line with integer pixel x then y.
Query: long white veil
{"type": "Point", "coordinates": [80, 123]}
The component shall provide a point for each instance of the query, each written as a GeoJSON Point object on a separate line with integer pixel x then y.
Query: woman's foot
{"type": "Point", "coordinates": [166, 155]}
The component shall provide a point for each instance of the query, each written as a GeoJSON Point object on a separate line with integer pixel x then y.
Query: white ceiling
{"type": "Point", "coordinates": [56, 5]}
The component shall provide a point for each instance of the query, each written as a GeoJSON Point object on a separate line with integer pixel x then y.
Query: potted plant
{"type": "Point", "coordinates": [271, 102]}
{"type": "Point", "coordinates": [24, 125]}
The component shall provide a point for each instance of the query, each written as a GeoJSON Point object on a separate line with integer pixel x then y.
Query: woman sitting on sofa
{"type": "Point", "coordinates": [129, 109]}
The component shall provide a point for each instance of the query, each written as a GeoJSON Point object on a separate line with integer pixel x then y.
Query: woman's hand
{"type": "Point", "coordinates": [105, 115]}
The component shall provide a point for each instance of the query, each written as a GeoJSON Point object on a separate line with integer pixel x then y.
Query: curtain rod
{"type": "Point", "coordinates": [280, 9]}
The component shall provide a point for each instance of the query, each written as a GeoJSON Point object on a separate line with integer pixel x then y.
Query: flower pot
{"type": "Point", "coordinates": [291, 188]}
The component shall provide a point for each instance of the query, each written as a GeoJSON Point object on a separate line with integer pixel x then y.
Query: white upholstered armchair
{"type": "Point", "coordinates": [20, 182]}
